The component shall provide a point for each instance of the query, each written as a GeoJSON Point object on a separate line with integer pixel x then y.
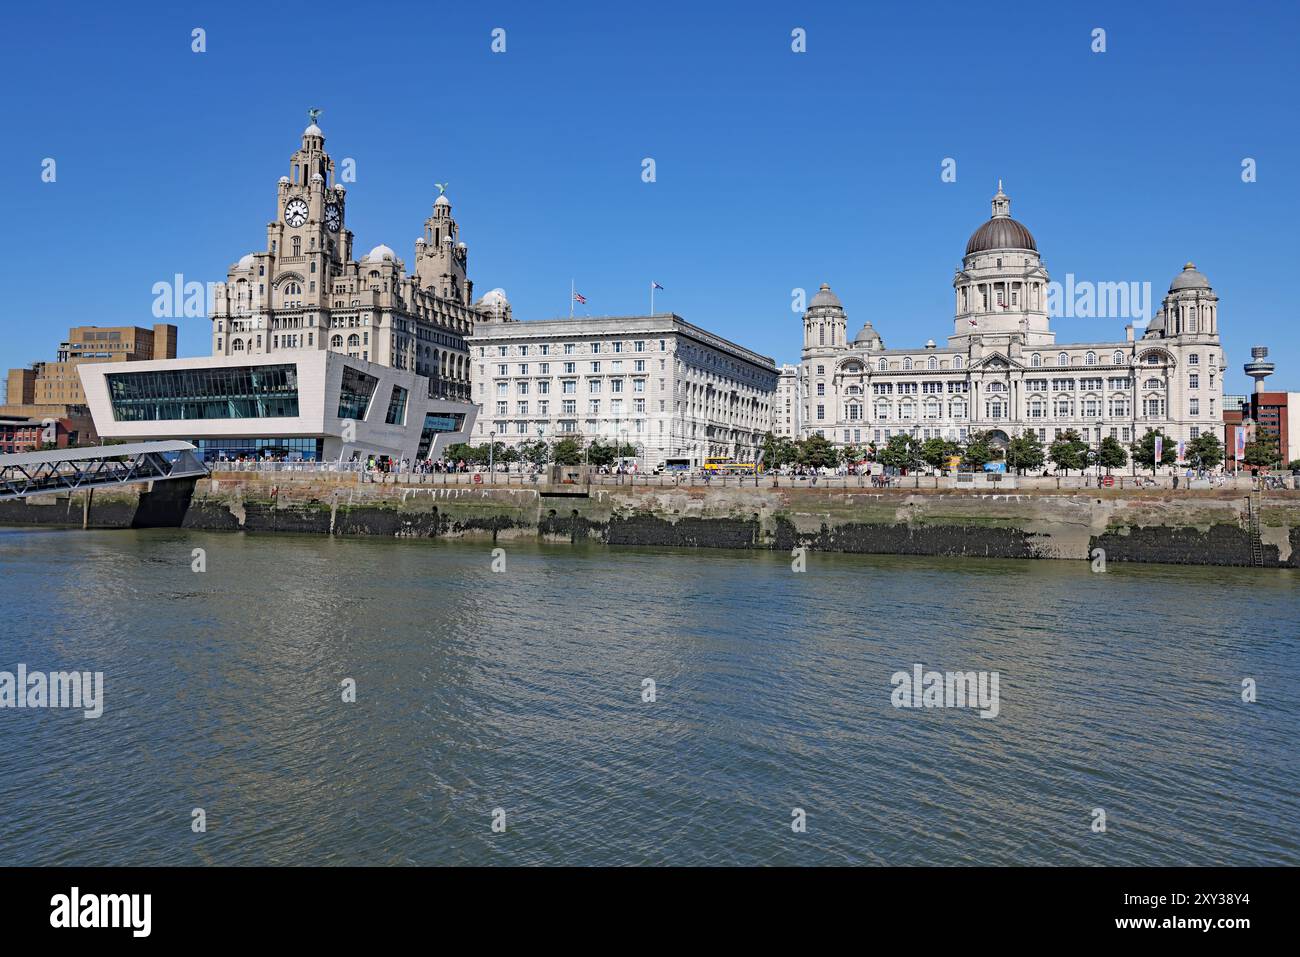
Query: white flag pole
{"type": "Point", "coordinates": [652, 297]}
{"type": "Point", "coordinates": [572, 291]}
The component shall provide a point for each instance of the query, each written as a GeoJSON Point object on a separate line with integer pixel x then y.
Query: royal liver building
{"type": "Point", "coordinates": [1002, 369]}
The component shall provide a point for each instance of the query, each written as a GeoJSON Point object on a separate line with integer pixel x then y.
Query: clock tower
{"type": "Point", "coordinates": [307, 238]}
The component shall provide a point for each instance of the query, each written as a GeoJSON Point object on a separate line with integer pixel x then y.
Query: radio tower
{"type": "Point", "coordinates": [1257, 368]}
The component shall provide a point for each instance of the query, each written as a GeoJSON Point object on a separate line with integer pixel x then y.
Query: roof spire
{"type": "Point", "coordinates": [1001, 202]}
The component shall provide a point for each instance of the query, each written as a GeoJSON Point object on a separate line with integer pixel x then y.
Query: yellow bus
{"type": "Point", "coordinates": [731, 467]}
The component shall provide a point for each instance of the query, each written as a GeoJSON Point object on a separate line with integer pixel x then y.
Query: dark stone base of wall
{"type": "Point", "coordinates": [1220, 545]}
{"type": "Point", "coordinates": [898, 539]}
{"type": "Point", "coordinates": [646, 529]}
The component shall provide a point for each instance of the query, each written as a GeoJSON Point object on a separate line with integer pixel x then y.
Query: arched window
{"type": "Point", "coordinates": [336, 342]}
{"type": "Point", "coordinates": [997, 387]}
{"type": "Point", "coordinates": [907, 363]}
{"type": "Point", "coordinates": [932, 363]}
{"type": "Point", "coordinates": [236, 345]}
{"type": "Point", "coordinates": [1117, 358]}
{"type": "Point", "coordinates": [882, 409]}
{"type": "Point", "coordinates": [1062, 359]}
{"type": "Point", "coordinates": [907, 409]}
{"type": "Point", "coordinates": [354, 340]}
{"type": "Point", "coordinates": [882, 365]}
{"type": "Point", "coordinates": [1153, 384]}
{"type": "Point", "coordinates": [297, 245]}
{"type": "Point", "coordinates": [1090, 359]}
{"type": "Point", "coordinates": [1036, 360]}
{"type": "Point", "coordinates": [956, 362]}
{"type": "Point", "coordinates": [957, 409]}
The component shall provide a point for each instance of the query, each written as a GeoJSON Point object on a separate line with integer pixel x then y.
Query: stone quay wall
{"type": "Point", "coordinates": [1196, 527]}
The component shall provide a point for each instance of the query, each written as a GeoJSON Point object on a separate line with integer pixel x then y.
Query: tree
{"type": "Point", "coordinates": [459, 451]}
{"type": "Point", "coordinates": [598, 453]}
{"type": "Point", "coordinates": [778, 450]}
{"type": "Point", "coordinates": [1144, 450]}
{"type": "Point", "coordinates": [1025, 452]}
{"type": "Point", "coordinates": [1204, 452]}
{"type": "Point", "coordinates": [936, 452]}
{"type": "Point", "coordinates": [1069, 451]}
{"type": "Point", "coordinates": [978, 450]}
{"type": "Point", "coordinates": [1294, 465]}
{"type": "Point", "coordinates": [535, 452]}
{"type": "Point", "coordinates": [851, 455]}
{"type": "Point", "coordinates": [567, 451]}
{"type": "Point", "coordinates": [817, 452]}
{"type": "Point", "coordinates": [901, 452]}
{"type": "Point", "coordinates": [1263, 451]}
{"type": "Point", "coordinates": [1111, 454]}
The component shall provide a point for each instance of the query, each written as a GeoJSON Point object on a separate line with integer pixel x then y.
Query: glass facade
{"type": "Point", "coordinates": [289, 449]}
{"type": "Point", "coordinates": [433, 425]}
{"type": "Point", "coordinates": [233, 392]}
{"type": "Point", "coordinates": [355, 393]}
{"type": "Point", "coordinates": [397, 407]}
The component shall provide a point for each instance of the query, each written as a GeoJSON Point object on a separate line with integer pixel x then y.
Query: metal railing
{"type": "Point", "coordinates": [697, 480]}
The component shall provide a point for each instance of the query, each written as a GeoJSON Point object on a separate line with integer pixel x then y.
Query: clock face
{"type": "Point", "coordinates": [333, 218]}
{"type": "Point", "coordinates": [295, 213]}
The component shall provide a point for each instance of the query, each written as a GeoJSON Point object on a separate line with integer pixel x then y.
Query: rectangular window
{"type": "Point", "coordinates": [396, 407]}
{"type": "Point", "coordinates": [355, 393]}
{"type": "Point", "coordinates": [238, 392]}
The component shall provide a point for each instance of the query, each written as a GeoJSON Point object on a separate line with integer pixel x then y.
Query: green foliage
{"type": "Point", "coordinates": [817, 452]}
{"type": "Point", "coordinates": [978, 450]}
{"type": "Point", "coordinates": [1111, 454]}
{"type": "Point", "coordinates": [1025, 452]}
{"type": "Point", "coordinates": [1264, 451]}
{"type": "Point", "coordinates": [901, 452]}
{"type": "Point", "coordinates": [1069, 451]}
{"type": "Point", "coordinates": [937, 452]}
{"type": "Point", "coordinates": [535, 452]}
{"type": "Point", "coordinates": [567, 451]}
{"type": "Point", "coordinates": [598, 453]}
{"type": "Point", "coordinates": [1144, 450]}
{"type": "Point", "coordinates": [778, 450]}
{"type": "Point", "coordinates": [458, 451]}
{"type": "Point", "coordinates": [1205, 451]}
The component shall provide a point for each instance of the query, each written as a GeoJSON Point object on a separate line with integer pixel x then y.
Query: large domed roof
{"type": "Point", "coordinates": [380, 253]}
{"type": "Point", "coordinates": [1189, 278]}
{"type": "Point", "coordinates": [1001, 232]}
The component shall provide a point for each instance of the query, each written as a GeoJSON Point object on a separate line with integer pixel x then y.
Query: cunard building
{"type": "Point", "coordinates": [1003, 371]}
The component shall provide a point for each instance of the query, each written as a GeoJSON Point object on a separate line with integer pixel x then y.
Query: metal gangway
{"type": "Point", "coordinates": [66, 470]}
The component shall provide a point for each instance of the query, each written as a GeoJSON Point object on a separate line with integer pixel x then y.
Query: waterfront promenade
{"type": "Point", "coordinates": [1140, 482]}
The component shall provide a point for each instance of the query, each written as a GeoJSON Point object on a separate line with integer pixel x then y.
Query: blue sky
{"type": "Point", "coordinates": [775, 170]}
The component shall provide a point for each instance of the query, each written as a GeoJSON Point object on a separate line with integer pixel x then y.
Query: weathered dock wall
{"type": "Point", "coordinates": [1198, 527]}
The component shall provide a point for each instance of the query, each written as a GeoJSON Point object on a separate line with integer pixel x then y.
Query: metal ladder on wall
{"type": "Point", "coordinates": [1254, 505]}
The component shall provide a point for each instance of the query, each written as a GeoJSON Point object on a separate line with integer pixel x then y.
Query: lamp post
{"type": "Point", "coordinates": [492, 447]}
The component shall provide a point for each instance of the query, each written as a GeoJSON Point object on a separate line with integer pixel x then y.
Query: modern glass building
{"type": "Point", "coordinates": [300, 406]}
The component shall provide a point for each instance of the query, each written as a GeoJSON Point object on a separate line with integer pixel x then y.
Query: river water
{"type": "Point", "coordinates": [517, 696]}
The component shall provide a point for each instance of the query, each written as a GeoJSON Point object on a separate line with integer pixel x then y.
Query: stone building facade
{"type": "Point", "coordinates": [672, 389]}
{"type": "Point", "coordinates": [305, 290]}
{"type": "Point", "coordinates": [1002, 370]}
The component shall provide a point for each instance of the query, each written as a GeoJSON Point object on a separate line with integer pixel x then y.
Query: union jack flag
{"type": "Point", "coordinates": [579, 297]}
